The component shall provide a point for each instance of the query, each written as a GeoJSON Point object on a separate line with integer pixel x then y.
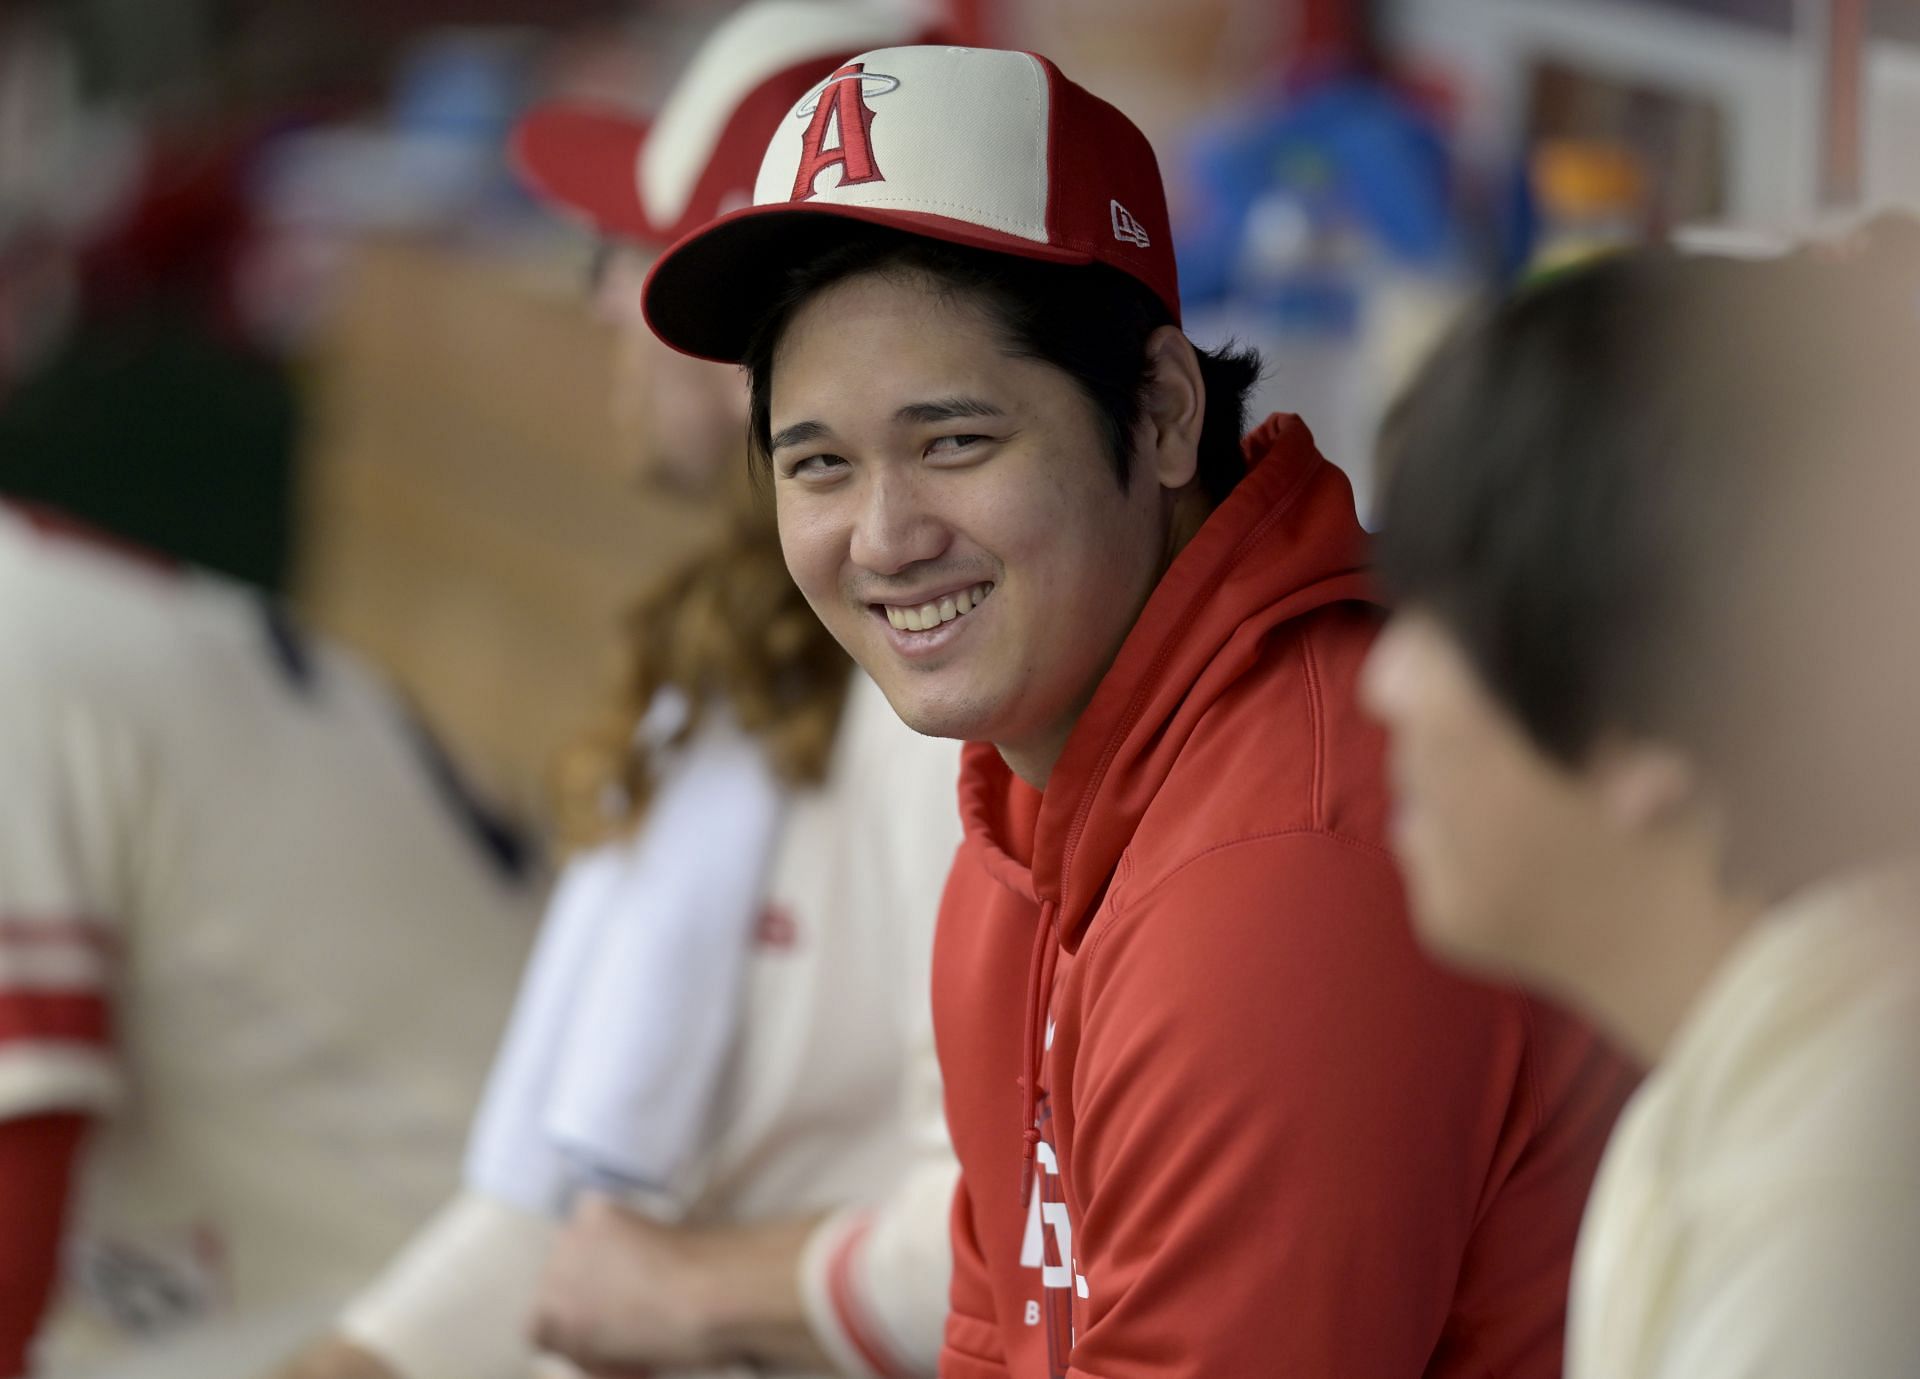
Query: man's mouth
{"type": "Point", "coordinates": [924, 617]}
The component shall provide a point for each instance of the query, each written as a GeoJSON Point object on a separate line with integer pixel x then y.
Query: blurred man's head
{"type": "Point", "coordinates": [1807, 721]}
{"type": "Point", "coordinates": [679, 420]}
{"type": "Point", "coordinates": [1616, 513]}
{"type": "Point", "coordinates": [644, 184]}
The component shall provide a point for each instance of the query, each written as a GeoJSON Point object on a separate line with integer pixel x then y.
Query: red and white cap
{"type": "Point", "coordinates": [973, 146]}
{"type": "Point", "coordinates": [652, 182]}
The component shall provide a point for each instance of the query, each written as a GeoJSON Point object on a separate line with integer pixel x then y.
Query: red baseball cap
{"type": "Point", "coordinates": [974, 146]}
{"type": "Point", "coordinates": [654, 181]}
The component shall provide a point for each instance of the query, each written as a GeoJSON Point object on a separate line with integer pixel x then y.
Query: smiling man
{"type": "Point", "coordinates": [1216, 1113]}
{"type": "Point", "coordinates": [906, 577]}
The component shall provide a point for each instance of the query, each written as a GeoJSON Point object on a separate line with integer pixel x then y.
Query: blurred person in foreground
{"type": "Point", "coordinates": [1216, 1113]}
{"type": "Point", "coordinates": [230, 860]}
{"type": "Point", "coordinates": [251, 933]}
{"type": "Point", "coordinates": [1651, 696]}
{"type": "Point", "coordinates": [713, 1141]}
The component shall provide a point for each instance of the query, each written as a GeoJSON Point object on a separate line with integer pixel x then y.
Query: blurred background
{"type": "Point", "coordinates": [269, 299]}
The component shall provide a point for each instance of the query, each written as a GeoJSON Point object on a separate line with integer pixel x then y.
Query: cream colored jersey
{"type": "Point", "coordinates": [1758, 1212]}
{"type": "Point", "coordinates": [249, 920]}
{"type": "Point", "coordinates": [830, 1100]}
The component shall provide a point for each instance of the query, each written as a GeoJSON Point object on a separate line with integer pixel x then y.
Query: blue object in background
{"type": "Point", "coordinates": [464, 84]}
{"type": "Point", "coordinates": [1516, 223]}
{"type": "Point", "coordinates": [1289, 198]}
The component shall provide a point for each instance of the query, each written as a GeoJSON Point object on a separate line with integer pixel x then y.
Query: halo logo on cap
{"type": "Point", "coordinates": [839, 108]}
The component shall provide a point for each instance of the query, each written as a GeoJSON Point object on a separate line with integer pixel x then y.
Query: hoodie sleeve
{"type": "Point", "coordinates": [972, 1349]}
{"type": "Point", "coordinates": [1283, 1120]}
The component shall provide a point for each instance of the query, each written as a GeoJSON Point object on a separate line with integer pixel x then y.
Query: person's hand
{"type": "Point", "coordinates": [622, 1294]}
{"type": "Point", "coordinates": [334, 1358]}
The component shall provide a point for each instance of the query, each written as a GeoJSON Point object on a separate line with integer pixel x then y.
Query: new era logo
{"type": "Point", "coordinates": [1125, 227]}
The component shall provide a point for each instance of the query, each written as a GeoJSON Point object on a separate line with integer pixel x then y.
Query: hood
{"type": "Point", "coordinates": [1284, 543]}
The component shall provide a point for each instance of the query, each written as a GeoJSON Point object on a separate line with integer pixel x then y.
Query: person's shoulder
{"type": "Point", "coordinates": [1286, 749]}
{"type": "Point", "coordinates": [73, 598]}
{"type": "Point", "coordinates": [1286, 890]}
{"type": "Point", "coordinates": [1780, 1139]}
{"type": "Point", "coordinates": [63, 619]}
{"type": "Point", "coordinates": [44, 544]}
{"type": "Point", "coordinates": [1800, 1059]}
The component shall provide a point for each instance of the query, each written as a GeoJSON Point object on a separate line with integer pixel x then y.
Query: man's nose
{"type": "Point", "coordinates": [895, 528]}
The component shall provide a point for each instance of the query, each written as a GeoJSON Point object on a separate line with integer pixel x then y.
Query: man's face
{"type": "Point", "coordinates": [1507, 852]}
{"type": "Point", "coordinates": [680, 420]}
{"type": "Point", "coordinates": [920, 471]}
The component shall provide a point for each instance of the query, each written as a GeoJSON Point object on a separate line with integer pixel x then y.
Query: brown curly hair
{"type": "Point", "coordinates": [730, 624]}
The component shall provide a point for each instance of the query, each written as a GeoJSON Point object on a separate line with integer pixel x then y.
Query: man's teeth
{"type": "Point", "coordinates": [931, 615]}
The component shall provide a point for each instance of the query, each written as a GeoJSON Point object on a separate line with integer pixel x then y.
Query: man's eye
{"type": "Point", "coordinates": [816, 466]}
{"type": "Point", "coordinates": [949, 444]}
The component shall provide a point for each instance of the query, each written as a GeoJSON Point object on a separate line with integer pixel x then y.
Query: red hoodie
{"type": "Point", "coordinates": [1268, 1135]}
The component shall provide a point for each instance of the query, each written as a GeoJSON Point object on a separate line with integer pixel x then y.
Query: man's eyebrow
{"type": "Point", "coordinates": [913, 414]}
{"type": "Point", "coordinates": [945, 409]}
{"type": "Point", "coordinates": [800, 433]}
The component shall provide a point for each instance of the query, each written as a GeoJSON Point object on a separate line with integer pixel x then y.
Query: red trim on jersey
{"type": "Point", "coordinates": [57, 1017]}
{"type": "Point", "coordinates": [60, 526]}
{"type": "Point", "coordinates": [874, 1349]}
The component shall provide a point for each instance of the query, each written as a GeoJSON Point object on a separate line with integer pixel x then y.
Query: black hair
{"type": "Point", "coordinates": [1089, 321]}
{"type": "Point", "coordinates": [1579, 482]}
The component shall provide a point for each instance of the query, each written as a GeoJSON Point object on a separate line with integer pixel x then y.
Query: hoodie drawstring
{"type": "Point", "coordinates": [1046, 953]}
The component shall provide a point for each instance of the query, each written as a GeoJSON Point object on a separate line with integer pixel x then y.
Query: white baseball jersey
{"type": "Point", "coordinates": [830, 1100]}
{"type": "Point", "coordinates": [249, 920]}
{"type": "Point", "coordinates": [1757, 1215]}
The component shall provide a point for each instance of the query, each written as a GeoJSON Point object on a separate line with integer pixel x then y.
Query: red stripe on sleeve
{"type": "Point", "coordinates": [62, 1017]}
{"type": "Point", "coordinates": [874, 1349]}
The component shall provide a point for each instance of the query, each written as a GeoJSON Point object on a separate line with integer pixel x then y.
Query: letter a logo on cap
{"type": "Point", "coordinates": [840, 106]}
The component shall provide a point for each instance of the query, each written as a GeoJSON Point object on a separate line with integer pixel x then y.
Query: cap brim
{"type": "Point", "coordinates": [706, 295]}
{"type": "Point", "coordinates": [586, 160]}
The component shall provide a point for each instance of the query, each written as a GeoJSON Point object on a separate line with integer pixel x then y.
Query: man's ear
{"type": "Point", "coordinates": [1173, 405]}
{"type": "Point", "coordinates": [1645, 784]}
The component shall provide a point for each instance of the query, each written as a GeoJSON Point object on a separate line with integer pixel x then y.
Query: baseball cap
{"type": "Point", "coordinates": [973, 146]}
{"type": "Point", "coordinates": [652, 181]}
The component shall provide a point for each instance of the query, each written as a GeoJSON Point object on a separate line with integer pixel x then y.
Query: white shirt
{"type": "Point", "coordinates": [1758, 1210]}
{"type": "Point", "coordinates": [830, 1101]}
{"type": "Point", "coordinates": [245, 920]}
